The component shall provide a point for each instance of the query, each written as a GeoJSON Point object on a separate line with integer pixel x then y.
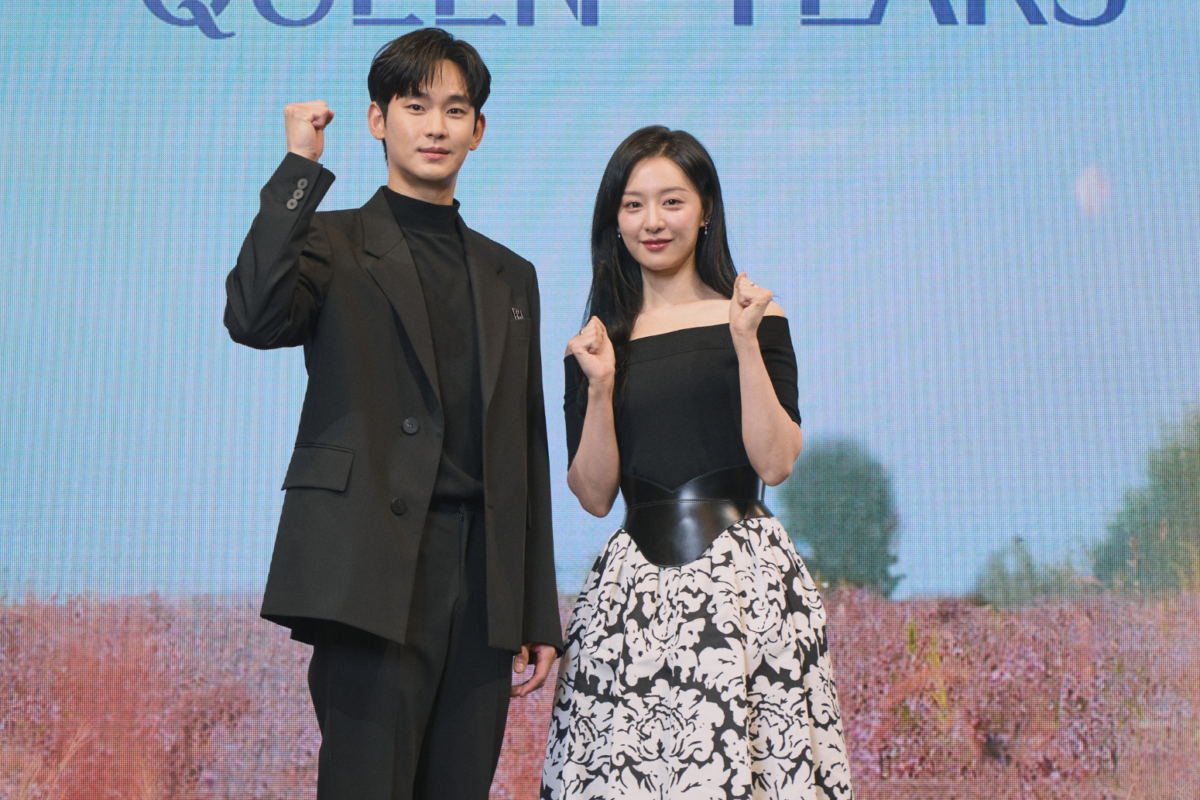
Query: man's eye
{"type": "Point", "coordinates": [415, 107]}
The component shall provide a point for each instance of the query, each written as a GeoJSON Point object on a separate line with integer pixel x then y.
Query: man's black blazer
{"type": "Point", "coordinates": [343, 284]}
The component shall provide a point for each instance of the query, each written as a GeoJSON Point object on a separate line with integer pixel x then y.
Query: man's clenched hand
{"type": "Point", "coordinates": [305, 124]}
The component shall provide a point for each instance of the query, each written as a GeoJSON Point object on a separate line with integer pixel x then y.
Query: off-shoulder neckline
{"type": "Point", "coordinates": [699, 328]}
{"type": "Point", "coordinates": [700, 337]}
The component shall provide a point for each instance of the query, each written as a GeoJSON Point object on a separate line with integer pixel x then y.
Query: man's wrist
{"type": "Point", "coordinates": [309, 155]}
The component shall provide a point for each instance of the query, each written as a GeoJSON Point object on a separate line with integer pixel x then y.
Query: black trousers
{"type": "Point", "coordinates": [424, 719]}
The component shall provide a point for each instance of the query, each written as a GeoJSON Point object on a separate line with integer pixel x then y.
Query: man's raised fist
{"type": "Point", "coordinates": [305, 124]}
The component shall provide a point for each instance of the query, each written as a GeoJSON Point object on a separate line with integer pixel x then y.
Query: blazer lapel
{"type": "Point", "coordinates": [492, 306]}
{"type": "Point", "coordinates": [396, 274]}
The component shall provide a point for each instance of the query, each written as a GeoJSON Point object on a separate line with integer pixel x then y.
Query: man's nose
{"type": "Point", "coordinates": [435, 125]}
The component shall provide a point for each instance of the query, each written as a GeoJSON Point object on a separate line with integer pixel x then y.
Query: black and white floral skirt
{"type": "Point", "coordinates": [702, 682]}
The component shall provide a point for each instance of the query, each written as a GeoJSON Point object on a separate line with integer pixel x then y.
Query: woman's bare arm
{"type": "Point", "coordinates": [595, 473]}
{"type": "Point", "coordinates": [772, 438]}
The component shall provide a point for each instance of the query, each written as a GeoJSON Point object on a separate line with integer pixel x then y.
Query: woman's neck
{"type": "Point", "coordinates": [662, 290]}
{"type": "Point", "coordinates": [681, 300]}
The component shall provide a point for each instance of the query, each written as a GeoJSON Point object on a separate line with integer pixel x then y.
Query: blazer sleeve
{"type": "Point", "coordinates": [541, 621]}
{"type": "Point", "coordinates": [275, 291]}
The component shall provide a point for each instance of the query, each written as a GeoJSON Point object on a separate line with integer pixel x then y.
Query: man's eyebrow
{"type": "Point", "coordinates": [423, 95]}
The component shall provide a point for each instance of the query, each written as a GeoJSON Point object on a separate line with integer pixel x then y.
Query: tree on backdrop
{"type": "Point", "coordinates": [1153, 542]}
{"type": "Point", "coordinates": [839, 506]}
{"type": "Point", "coordinates": [1011, 577]}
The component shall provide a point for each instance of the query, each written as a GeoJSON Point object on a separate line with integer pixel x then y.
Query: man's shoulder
{"type": "Point", "coordinates": [345, 225]}
{"type": "Point", "coordinates": [339, 216]}
{"type": "Point", "coordinates": [497, 251]}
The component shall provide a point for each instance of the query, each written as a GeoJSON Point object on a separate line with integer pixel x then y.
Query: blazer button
{"type": "Point", "coordinates": [411, 426]}
{"type": "Point", "coordinates": [291, 204]}
{"type": "Point", "coordinates": [302, 183]}
{"type": "Point", "coordinates": [399, 507]}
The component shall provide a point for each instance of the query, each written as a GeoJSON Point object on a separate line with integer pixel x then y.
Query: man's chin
{"type": "Point", "coordinates": [433, 174]}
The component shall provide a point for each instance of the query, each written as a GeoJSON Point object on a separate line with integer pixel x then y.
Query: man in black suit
{"type": "Point", "coordinates": [414, 548]}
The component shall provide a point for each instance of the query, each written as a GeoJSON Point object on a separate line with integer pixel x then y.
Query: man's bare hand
{"type": "Point", "coordinates": [544, 655]}
{"type": "Point", "coordinates": [305, 124]}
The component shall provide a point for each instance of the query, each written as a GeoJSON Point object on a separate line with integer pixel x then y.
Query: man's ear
{"type": "Point", "coordinates": [376, 121]}
{"type": "Point", "coordinates": [477, 136]}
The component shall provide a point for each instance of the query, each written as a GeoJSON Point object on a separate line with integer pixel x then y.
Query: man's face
{"type": "Point", "coordinates": [428, 136]}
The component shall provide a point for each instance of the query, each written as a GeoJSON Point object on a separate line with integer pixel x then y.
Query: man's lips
{"type": "Point", "coordinates": [655, 244]}
{"type": "Point", "coordinates": [434, 153]}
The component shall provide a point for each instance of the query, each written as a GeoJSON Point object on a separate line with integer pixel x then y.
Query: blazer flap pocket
{"type": "Point", "coordinates": [318, 466]}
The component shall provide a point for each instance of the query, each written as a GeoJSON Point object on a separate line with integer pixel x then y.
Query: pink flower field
{"type": "Point", "coordinates": [149, 697]}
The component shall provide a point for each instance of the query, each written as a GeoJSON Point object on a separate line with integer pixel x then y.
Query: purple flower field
{"type": "Point", "coordinates": [148, 697]}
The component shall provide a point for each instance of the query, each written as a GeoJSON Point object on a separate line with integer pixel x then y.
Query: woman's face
{"type": "Point", "coordinates": [661, 216]}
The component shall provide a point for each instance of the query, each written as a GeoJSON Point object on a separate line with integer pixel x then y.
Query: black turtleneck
{"type": "Point", "coordinates": [433, 236]}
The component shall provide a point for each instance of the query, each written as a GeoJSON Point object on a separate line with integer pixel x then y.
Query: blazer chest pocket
{"type": "Point", "coordinates": [518, 320]}
{"type": "Point", "coordinates": [319, 466]}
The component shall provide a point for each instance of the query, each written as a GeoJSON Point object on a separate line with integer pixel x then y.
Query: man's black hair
{"type": "Point", "coordinates": [404, 65]}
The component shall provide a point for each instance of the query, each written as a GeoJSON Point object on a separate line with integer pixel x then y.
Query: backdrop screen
{"type": "Point", "coordinates": [981, 217]}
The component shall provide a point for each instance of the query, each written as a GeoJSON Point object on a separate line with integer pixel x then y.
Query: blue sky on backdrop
{"type": "Point", "coordinates": [985, 238]}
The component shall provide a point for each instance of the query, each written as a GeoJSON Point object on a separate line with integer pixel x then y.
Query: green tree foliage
{"type": "Point", "coordinates": [1153, 542]}
{"type": "Point", "coordinates": [839, 502]}
{"type": "Point", "coordinates": [1011, 577]}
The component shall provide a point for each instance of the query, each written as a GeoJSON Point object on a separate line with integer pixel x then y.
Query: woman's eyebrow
{"type": "Point", "coordinates": [658, 191]}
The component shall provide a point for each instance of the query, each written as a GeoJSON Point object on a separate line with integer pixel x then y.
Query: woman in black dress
{"type": "Point", "coordinates": [696, 663]}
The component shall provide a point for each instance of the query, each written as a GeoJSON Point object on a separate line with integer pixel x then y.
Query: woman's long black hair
{"type": "Point", "coordinates": [616, 294]}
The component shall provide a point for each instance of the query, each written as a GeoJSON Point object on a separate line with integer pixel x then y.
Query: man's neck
{"type": "Point", "coordinates": [439, 194]}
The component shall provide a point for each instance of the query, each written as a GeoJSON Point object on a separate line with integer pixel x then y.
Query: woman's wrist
{"type": "Point", "coordinates": [601, 389]}
{"type": "Point", "coordinates": [745, 343]}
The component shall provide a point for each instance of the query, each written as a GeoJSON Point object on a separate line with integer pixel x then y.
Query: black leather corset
{"type": "Point", "coordinates": [674, 527]}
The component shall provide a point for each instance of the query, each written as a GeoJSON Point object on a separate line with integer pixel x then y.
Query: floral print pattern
{"type": "Point", "coordinates": [702, 682]}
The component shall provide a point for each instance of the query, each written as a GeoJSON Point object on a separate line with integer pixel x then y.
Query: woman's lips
{"type": "Point", "coordinates": [655, 244]}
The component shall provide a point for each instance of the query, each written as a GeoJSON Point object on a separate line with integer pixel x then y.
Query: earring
{"type": "Point", "coordinates": [618, 233]}
{"type": "Point", "coordinates": [706, 229]}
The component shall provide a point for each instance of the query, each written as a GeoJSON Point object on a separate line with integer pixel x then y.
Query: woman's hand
{"type": "Point", "coordinates": [594, 351]}
{"type": "Point", "coordinates": [747, 307]}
